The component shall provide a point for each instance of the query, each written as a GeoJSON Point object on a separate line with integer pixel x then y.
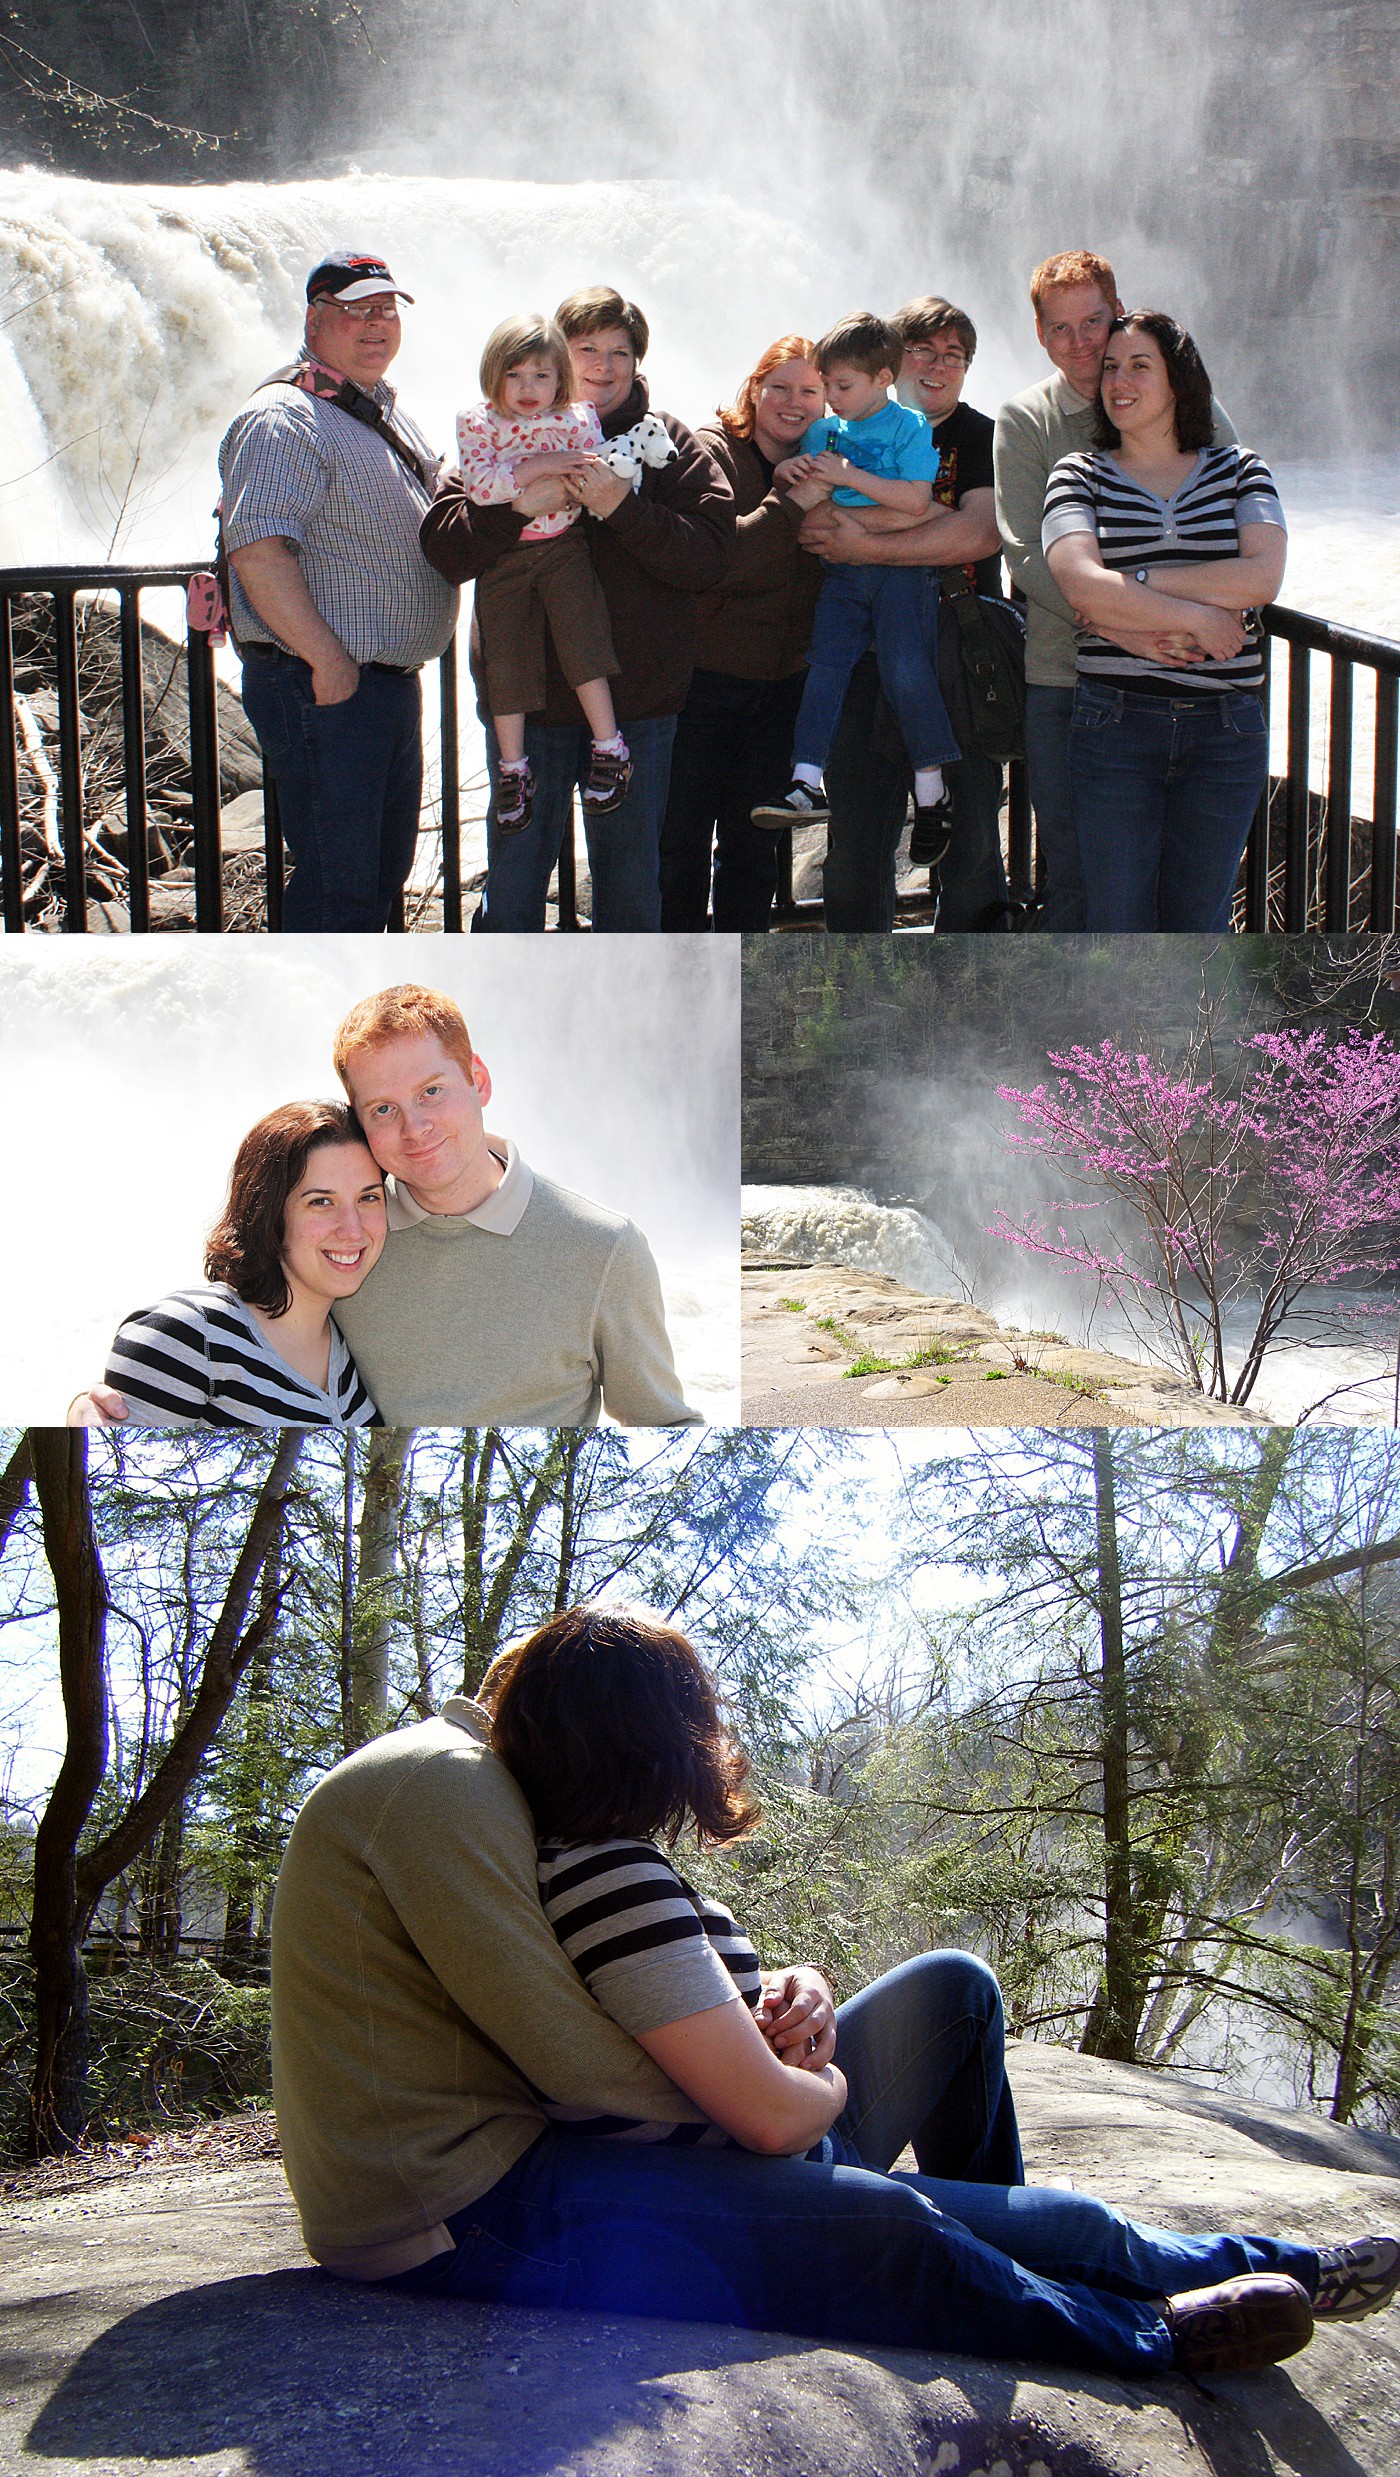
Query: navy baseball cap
{"type": "Point", "coordinates": [351, 275]}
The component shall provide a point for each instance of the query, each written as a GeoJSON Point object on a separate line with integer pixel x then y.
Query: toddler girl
{"type": "Point", "coordinates": [527, 429]}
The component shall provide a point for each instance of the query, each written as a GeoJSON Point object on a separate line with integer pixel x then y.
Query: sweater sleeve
{"type": "Point", "coordinates": [461, 540]}
{"type": "Point", "coordinates": [159, 1363]}
{"type": "Point", "coordinates": [1021, 476]}
{"type": "Point", "coordinates": [631, 1346]}
{"type": "Point", "coordinates": [682, 529]}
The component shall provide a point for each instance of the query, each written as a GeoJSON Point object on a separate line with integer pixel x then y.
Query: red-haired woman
{"type": "Point", "coordinates": [733, 744]}
{"type": "Point", "coordinates": [255, 1346]}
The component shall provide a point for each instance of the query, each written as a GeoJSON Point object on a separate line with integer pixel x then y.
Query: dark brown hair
{"type": "Point", "coordinates": [1187, 376]}
{"type": "Point", "coordinates": [868, 343]}
{"type": "Point", "coordinates": [245, 1244]}
{"type": "Point", "coordinates": [919, 322]}
{"type": "Point", "coordinates": [610, 1724]}
{"type": "Point", "coordinates": [598, 306]}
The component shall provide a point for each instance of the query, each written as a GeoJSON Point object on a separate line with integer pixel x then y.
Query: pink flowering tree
{"type": "Point", "coordinates": [1249, 1189]}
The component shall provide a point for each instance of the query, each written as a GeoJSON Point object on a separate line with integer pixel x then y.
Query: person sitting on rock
{"type": "Point", "coordinates": [619, 2111]}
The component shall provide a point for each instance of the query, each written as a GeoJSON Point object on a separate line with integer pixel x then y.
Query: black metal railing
{"type": "Point", "coordinates": [1313, 860]}
{"type": "Point", "coordinates": [118, 710]}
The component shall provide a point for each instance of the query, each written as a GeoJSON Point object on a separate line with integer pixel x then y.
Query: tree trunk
{"type": "Point", "coordinates": [161, 1918]}
{"type": "Point", "coordinates": [1112, 2025]}
{"type": "Point", "coordinates": [57, 2091]}
{"type": "Point", "coordinates": [14, 1488]}
{"type": "Point", "coordinates": [376, 1592]}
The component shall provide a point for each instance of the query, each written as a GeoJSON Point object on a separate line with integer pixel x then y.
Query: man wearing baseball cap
{"type": "Point", "coordinates": [335, 610]}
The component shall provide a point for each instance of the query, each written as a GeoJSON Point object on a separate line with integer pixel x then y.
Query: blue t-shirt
{"type": "Point", "coordinates": [894, 442]}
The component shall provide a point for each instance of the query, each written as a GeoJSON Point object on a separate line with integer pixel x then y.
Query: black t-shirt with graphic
{"type": "Point", "coordinates": [964, 439]}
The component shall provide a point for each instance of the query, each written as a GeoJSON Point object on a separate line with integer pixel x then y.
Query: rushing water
{"type": "Point", "coordinates": [130, 1074]}
{"type": "Point", "coordinates": [851, 1226]}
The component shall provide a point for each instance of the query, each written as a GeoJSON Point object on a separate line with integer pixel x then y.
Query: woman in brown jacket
{"type": "Point", "coordinates": [733, 743]}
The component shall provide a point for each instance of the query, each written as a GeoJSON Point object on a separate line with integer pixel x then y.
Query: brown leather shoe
{"type": "Point", "coordinates": [1239, 2323]}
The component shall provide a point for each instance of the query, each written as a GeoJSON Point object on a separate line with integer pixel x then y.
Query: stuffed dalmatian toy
{"type": "Point", "coordinates": [648, 442]}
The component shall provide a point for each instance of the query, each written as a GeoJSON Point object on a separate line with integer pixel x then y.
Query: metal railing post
{"type": "Point", "coordinates": [1383, 804]}
{"type": "Point", "coordinates": [1336, 888]}
{"type": "Point", "coordinates": [204, 784]}
{"type": "Point", "coordinates": [1295, 808]}
{"type": "Point", "coordinates": [451, 792]}
{"type": "Point", "coordinates": [138, 885]}
{"type": "Point", "coordinates": [11, 860]}
{"type": "Point", "coordinates": [70, 758]}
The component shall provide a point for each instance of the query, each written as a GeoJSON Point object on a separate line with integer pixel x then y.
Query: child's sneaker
{"type": "Point", "coordinates": [605, 784]}
{"type": "Point", "coordinates": [515, 799]}
{"type": "Point", "coordinates": [800, 805]}
{"type": "Point", "coordinates": [930, 835]}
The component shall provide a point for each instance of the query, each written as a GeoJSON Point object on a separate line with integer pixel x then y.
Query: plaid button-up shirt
{"type": "Point", "coordinates": [297, 468]}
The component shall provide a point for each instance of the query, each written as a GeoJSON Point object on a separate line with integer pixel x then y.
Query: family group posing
{"type": "Point", "coordinates": [712, 635]}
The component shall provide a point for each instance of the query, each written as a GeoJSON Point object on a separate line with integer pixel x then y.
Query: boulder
{"type": "Point", "coordinates": [166, 2322]}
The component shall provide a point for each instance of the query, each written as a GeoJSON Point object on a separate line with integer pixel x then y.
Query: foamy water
{"type": "Point", "coordinates": [1347, 1382]}
{"type": "Point", "coordinates": [130, 1075]}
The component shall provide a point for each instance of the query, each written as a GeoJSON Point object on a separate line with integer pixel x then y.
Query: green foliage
{"type": "Point", "coordinates": [168, 2045]}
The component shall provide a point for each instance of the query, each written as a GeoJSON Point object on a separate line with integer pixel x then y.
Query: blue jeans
{"type": "Point", "coordinates": [896, 610]}
{"type": "Point", "coordinates": [733, 748]}
{"type": "Point", "coordinates": [1165, 790]}
{"type": "Point", "coordinates": [623, 847]}
{"type": "Point", "coordinates": [1048, 712]}
{"type": "Point", "coordinates": [349, 783]}
{"type": "Point", "coordinates": [867, 786]}
{"type": "Point", "coordinates": [961, 2256]}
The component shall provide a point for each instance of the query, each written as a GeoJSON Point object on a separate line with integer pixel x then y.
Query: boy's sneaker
{"type": "Point", "coordinates": [1238, 2324]}
{"type": "Point", "coordinates": [515, 799]}
{"type": "Point", "coordinates": [800, 805]}
{"type": "Point", "coordinates": [1357, 2279]}
{"type": "Point", "coordinates": [930, 835]}
{"type": "Point", "coordinates": [605, 784]}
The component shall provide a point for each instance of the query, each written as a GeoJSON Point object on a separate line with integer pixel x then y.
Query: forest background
{"type": "Point", "coordinates": [1119, 1710]}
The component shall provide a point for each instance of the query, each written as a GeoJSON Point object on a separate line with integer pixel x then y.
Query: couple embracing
{"type": "Point", "coordinates": [388, 1258]}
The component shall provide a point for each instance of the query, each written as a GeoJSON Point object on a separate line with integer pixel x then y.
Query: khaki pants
{"type": "Point", "coordinates": [551, 581]}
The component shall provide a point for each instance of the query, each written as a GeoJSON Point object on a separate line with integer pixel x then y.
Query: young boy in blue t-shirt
{"type": "Point", "coordinates": [868, 452]}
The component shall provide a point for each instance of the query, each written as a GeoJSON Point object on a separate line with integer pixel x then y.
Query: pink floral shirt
{"type": "Point", "coordinates": [491, 444]}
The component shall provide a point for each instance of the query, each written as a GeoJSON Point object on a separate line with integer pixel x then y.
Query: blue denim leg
{"type": "Point", "coordinates": [1048, 712]}
{"type": "Point", "coordinates": [1219, 767]}
{"type": "Point", "coordinates": [349, 783]}
{"type": "Point", "coordinates": [832, 2252]}
{"type": "Point", "coordinates": [843, 628]}
{"type": "Point", "coordinates": [733, 748]}
{"type": "Point", "coordinates": [924, 2055]}
{"type": "Point", "coordinates": [519, 866]}
{"type": "Point", "coordinates": [869, 797]}
{"type": "Point", "coordinates": [1120, 754]}
{"type": "Point", "coordinates": [1071, 2236]}
{"type": "Point", "coordinates": [624, 847]}
{"type": "Point", "coordinates": [904, 606]}
{"type": "Point", "coordinates": [973, 874]}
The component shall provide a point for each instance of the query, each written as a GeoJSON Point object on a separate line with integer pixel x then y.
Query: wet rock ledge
{"type": "Point", "coordinates": [811, 1332]}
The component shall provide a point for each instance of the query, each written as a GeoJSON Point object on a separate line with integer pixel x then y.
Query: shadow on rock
{"type": "Point", "coordinates": [300, 2376]}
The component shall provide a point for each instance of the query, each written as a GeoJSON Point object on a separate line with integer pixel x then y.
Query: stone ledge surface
{"type": "Point", "coordinates": [168, 2325]}
{"type": "Point", "coordinates": [994, 1376]}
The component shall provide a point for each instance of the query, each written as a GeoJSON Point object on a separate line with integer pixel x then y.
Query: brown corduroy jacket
{"type": "Point", "coordinates": [667, 543]}
{"type": "Point", "coordinates": [758, 623]}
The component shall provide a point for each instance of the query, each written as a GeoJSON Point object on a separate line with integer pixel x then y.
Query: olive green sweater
{"type": "Point", "coordinates": [527, 1315]}
{"type": "Point", "coordinates": [421, 2002]}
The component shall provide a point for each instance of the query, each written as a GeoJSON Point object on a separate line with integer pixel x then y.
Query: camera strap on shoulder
{"type": "Point", "coordinates": [331, 387]}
